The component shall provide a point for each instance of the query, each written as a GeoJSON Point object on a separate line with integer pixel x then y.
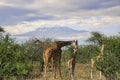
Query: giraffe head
{"type": "Point", "coordinates": [75, 44]}
{"type": "Point", "coordinates": [65, 43]}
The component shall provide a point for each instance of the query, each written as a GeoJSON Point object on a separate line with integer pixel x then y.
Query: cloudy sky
{"type": "Point", "coordinates": [23, 16]}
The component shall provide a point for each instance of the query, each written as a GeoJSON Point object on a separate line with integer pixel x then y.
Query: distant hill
{"type": "Point", "coordinates": [53, 32]}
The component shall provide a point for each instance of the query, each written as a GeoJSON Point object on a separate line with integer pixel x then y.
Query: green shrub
{"type": "Point", "coordinates": [109, 64]}
{"type": "Point", "coordinates": [13, 61]}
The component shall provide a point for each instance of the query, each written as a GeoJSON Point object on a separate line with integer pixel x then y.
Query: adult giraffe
{"type": "Point", "coordinates": [71, 64]}
{"type": "Point", "coordinates": [54, 52]}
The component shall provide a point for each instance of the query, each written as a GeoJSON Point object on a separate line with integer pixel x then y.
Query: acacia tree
{"type": "Point", "coordinates": [110, 61]}
{"type": "Point", "coordinates": [96, 38]}
{"type": "Point", "coordinates": [109, 65]}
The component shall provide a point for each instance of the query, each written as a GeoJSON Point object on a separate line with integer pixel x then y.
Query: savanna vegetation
{"type": "Point", "coordinates": [24, 61]}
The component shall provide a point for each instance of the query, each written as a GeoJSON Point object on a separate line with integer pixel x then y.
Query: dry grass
{"type": "Point", "coordinates": [82, 72]}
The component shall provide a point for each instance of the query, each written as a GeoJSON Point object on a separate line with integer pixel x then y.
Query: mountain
{"type": "Point", "coordinates": [54, 33]}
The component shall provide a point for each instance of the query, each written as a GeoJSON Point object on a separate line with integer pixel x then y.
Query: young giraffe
{"type": "Point", "coordinates": [54, 52]}
{"type": "Point", "coordinates": [71, 62]}
{"type": "Point", "coordinates": [94, 59]}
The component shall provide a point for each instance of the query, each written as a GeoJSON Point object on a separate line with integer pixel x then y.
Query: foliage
{"type": "Point", "coordinates": [110, 62]}
{"type": "Point", "coordinates": [66, 53]}
{"type": "Point", "coordinates": [83, 55]}
{"type": "Point", "coordinates": [13, 61]}
{"type": "Point", "coordinates": [17, 61]}
{"type": "Point", "coordinates": [34, 52]}
{"type": "Point", "coordinates": [96, 38]}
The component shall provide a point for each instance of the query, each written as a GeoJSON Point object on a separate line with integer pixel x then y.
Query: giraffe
{"type": "Point", "coordinates": [93, 60]}
{"type": "Point", "coordinates": [71, 63]}
{"type": "Point", "coordinates": [54, 52]}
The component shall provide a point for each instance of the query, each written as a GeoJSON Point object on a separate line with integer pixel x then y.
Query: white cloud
{"type": "Point", "coordinates": [82, 14]}
{"type": "Point", "coordinates": [2, 4]}
{"type": "Point", "coordinates": [68, 8]}
{"type": "Point", "coordinates": [60, 11]}
{"type": "Point", "coordinates": [83, 23]}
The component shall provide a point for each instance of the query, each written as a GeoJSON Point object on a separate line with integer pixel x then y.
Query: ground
{"type": "Point", "coordinates": [82, 72]}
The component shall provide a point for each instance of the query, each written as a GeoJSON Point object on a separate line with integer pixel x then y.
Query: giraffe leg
{"type": "Point", "coordinates": [55, 67]}
{"type": "Point", "coordinates": [45, 71]}
{"type": "Point", "coordinates": [72, 74]}
{"type": "Point", "coordinates": [69, 69]}
{"type": "Point", "coordinates": [91, 73]}
{"type": "Point", "coordinates": [69, 73]}
{"type": "Point", "coordinates": [59, 67]}
{"type": "Point", "coordinates": [92, 67]}
{"type": "Point", "coordinates": [100, 75]}
{"type": "Point", "coordinates": [72, 71]}
{"type": "Point", "coordinates": [46, 61]}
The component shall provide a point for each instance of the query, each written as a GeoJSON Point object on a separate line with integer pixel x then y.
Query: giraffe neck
{"type": "Point", "coordinates": [74, 53]}
{"type": "Point", "coordinates": [63, 43]}
{"type": "Point", "coordinates": [102, 49]}
{"type": "Point", "coordinates": [101, 52]}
